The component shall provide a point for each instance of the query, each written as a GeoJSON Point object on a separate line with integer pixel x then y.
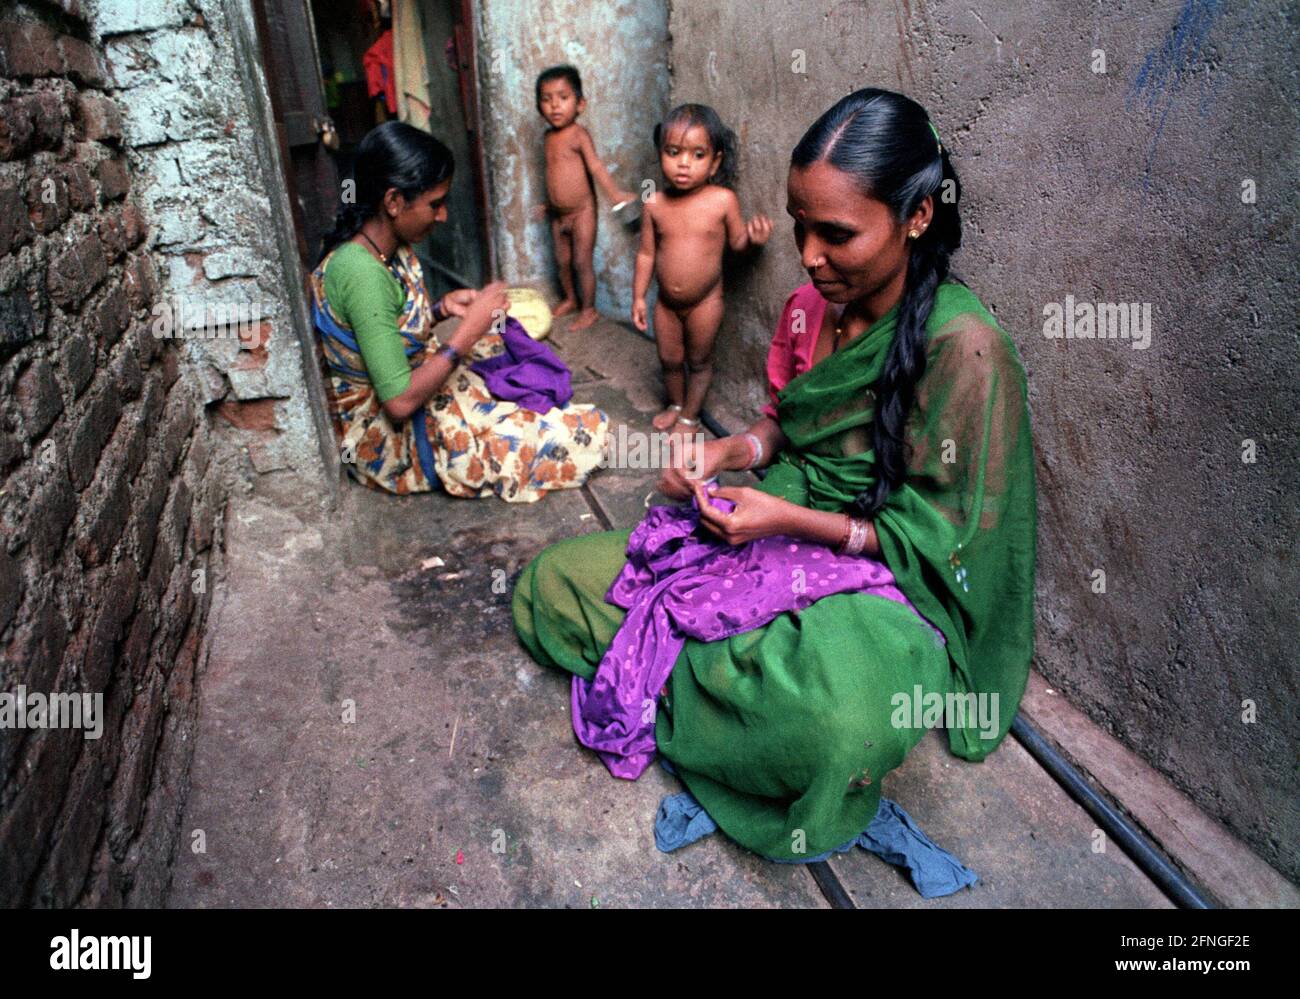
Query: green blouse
{"type": "Point", "coordinates": [366, 295]}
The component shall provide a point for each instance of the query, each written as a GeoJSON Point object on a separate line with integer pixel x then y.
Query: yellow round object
{"type": "Point", "coordinates": [529, 307]}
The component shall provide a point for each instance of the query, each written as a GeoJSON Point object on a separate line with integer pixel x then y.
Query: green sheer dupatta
{"type": "Point", "coordinates": [960, 534]}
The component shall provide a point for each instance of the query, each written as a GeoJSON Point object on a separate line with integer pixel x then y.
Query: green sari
{"type": "Point", "coordinates": [783, 733]}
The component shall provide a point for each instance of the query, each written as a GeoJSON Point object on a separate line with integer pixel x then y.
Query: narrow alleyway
{"type": "Point", "coordinates": [460, 781]}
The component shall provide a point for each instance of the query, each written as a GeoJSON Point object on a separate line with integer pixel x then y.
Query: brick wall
{"type": "Point", "coordinates": [110, 507]}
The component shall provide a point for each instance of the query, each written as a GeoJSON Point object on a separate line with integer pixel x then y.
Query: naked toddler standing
{"type": "Point", "coordinates": [571, 167]}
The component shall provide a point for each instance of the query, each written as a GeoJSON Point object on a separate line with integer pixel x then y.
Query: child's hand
{"type": "Point", "coordinates": [759, 229]}
{"type": "Point", "coordinates": [639, 319]}
{"type": "Point", "coordinates": [537, 213]}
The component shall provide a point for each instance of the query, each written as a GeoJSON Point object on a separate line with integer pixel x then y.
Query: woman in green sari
{"type": "Point", "coordinates": [899, 430]}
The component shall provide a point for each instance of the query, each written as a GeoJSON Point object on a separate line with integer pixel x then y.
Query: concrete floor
{"type": "Point", "coordinates": [460, 782]}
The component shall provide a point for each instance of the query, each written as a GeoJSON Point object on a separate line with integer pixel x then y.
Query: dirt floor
{"type": "Point", "coordinates": [460, 782]}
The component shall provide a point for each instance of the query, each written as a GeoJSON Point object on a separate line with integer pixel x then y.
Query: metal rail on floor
{"type": "Point", "coordinates": [1140, 850]}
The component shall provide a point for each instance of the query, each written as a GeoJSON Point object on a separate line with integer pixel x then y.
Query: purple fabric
{"type": "Point", "coordinates": [679, 583]}
{"type": "Point", "coordinates": [528, 373]}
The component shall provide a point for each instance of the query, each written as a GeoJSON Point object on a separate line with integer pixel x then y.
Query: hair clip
{"type": "Point", "coordinates": [936, 134]}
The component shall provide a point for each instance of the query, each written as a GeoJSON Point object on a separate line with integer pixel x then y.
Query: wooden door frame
{"type": "Point", "coordinates": [466, 43]}
{"type": "Point", "coordinates": [297, 128]}
{"type": "Point", "coordinates": [300, 127]}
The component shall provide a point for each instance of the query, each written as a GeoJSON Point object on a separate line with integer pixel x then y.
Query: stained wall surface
{"type": "Point", "coordinates": [621, 50]}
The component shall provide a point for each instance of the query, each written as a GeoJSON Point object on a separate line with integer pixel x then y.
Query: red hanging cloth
{"type": "Point", "coordinates": [378, 64]}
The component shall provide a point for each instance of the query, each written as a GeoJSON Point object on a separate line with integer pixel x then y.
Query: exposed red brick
{"type": "Point", "coordinates": [75, 272]}
{"type": "Point", "coordinates": [39, 399]}
{"type": "Point", "coordinates": [114, 311]}
{"type": "Point", "coordinates": [53, 508]}
{"type": "Point", "coordinates": [253, 353]}
{"type": "Point", "coordinates": [112, 233]}
{"type": "Point", "coordinates": [134, 226]}
{"type": "Point", "coordinates": [109, 626]}
{"type": "Point", "coordinates": [29, 49]}
{"type": "Point", "coordinates": [98, 421]}
{"type": "Point", "coordinates": [140, 731]}
{"type": "Point", "coordinates": [45, 110]}
{"type": "Point", "coordinates": [114, 181]}
{"type": "Point", "coordinates": [98, 118]}
{"type": "Point", "coordinates": [81, 192]}
{"type": "Point", "coordinates": [74, 839]}
{"type": "Point", "coordinates": [195, 261]}
{"type": "Point", "coordinates": [171, 365]}
{"type": "Point", "coordinates": [39, 642]}
{"type": "Point", "coordinates": [141, 281]}
{"type": "Point", "coordinates": [15, 227]}
{"type": "Point", "coordinates": [78, 362]}
{"type": "Point", "coordinates": [253, 414]}
{"type": "Point", "coordinates": [83, 63]}
{"type": "Point", "coordinates": [106, 514]}
{"type": "Point", "coordinates": [179, 418]}
{"type": "Point", "coordinates": [149, 499]}
{"type": "Point", "coordinates": [47, 202]}
{"type": "Point", "coordinates": [15, 128]}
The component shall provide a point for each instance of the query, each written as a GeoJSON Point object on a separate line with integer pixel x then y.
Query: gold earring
{"type": "Point", "coordinates": [913, 234]}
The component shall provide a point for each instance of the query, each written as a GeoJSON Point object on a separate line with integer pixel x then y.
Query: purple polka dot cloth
{"type": "Point", "coordinates": [680, 582]}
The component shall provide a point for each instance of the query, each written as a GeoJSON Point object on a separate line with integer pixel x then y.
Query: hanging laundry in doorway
{"type": "Point", "coordinates": [378, 64]}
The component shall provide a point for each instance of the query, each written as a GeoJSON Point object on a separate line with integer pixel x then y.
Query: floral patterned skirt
{"type": "Point", "coordinates": [483, 445]}
{"type": "Point", "coordinates": [476, 445]}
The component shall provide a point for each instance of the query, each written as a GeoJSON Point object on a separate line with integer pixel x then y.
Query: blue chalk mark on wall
{"type": "Point", "coordinates": [1159, 78]}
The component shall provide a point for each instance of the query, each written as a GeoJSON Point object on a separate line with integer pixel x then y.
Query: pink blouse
{"type": "Point", "coordinates": [795, 341]}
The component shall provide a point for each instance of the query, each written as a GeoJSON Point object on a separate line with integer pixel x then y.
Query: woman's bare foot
{"type": "Point", "coordinates": [666, 419]}
{"type": "Point", "coordinates": [565, 307]}
{"type": "Point", "coordinates": [585, 318]}
{"type": "Point", "coordinates": [685, 427]}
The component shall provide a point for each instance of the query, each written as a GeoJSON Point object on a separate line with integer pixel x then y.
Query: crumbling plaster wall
{"type": "Point", "coordinates": [196, 121]}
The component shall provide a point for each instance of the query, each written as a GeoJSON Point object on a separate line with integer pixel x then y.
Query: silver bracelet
{"type": "Point", "coordinates": [756, 450]}
{"type": "Point", "coordinates": [859, 533]}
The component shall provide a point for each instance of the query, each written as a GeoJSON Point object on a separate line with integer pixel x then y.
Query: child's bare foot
{"type": "Point", "coordinates": [565, 307]}
{"type": "Point", "coordinates": [585, 318]}
{"type": "Point", "coordinates": [667, 418]}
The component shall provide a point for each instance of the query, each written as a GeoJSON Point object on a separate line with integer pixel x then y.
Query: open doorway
{"type": "Point", "coordinates": [337, 69]}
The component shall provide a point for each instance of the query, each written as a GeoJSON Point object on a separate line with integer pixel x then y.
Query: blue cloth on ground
{"type": "Point", "coordinates": [892, 835]}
